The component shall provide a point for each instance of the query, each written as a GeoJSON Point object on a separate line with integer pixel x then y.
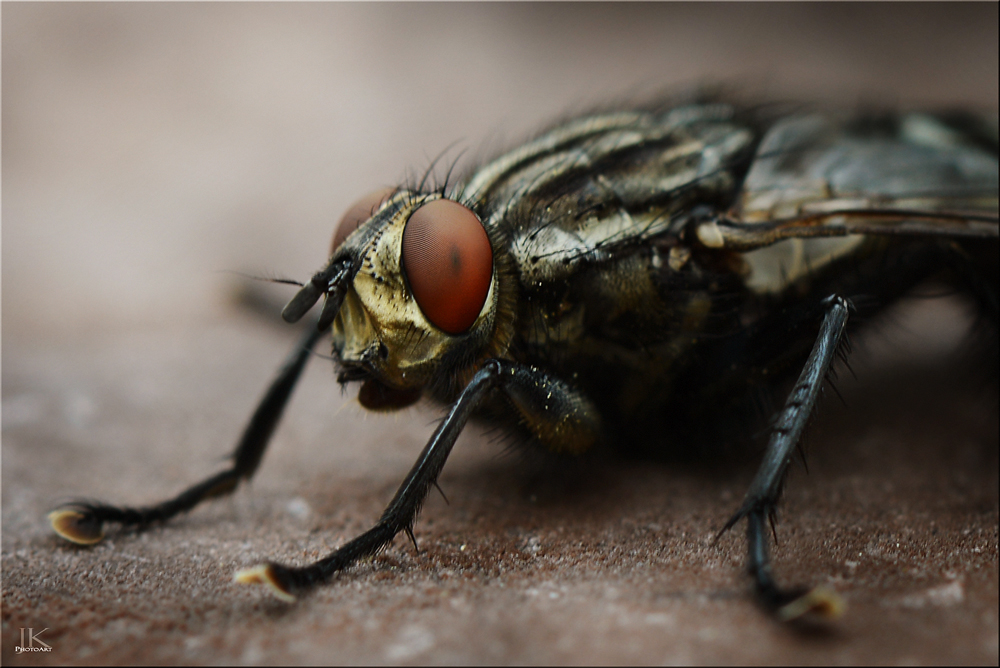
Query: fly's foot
{"type": "Point", "coordinates": [78, 524]}
{"type": "Point", "coordinates": [820, 603]}
{"type": "Point", "coordinates": [272, 575]}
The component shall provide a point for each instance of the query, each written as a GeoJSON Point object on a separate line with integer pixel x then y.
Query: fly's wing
{"type": "Point", "coordinates": [916, 174]}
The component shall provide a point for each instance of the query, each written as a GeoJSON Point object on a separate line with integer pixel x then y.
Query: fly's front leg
{"type": "Point", "coordinates": [83, 522]}
{"type": "Point", "coordinates": [548, 406]}
{"type": "Point", "coordinates": [762, 498]}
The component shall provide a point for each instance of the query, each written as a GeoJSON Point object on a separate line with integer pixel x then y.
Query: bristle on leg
{"type": "Point", "coordinates": [265, 574]}
{"type": "Point", "coordinates": [77, 526]}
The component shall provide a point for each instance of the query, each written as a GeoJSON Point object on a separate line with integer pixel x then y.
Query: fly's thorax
{"type": "Point", "coordinates": [381, 325]}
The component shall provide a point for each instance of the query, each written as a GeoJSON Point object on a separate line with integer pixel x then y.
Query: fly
{"type": "Point", "coordinates": [637, 278]}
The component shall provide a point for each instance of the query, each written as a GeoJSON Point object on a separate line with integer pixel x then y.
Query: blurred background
{"type": "Point", "coordinates": [150, 150]}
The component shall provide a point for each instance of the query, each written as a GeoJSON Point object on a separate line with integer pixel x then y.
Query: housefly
{"type": "Point", "coordinates": [643, 278]}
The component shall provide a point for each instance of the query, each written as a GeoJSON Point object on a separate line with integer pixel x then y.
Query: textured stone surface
{"type": "Point", "coordinates": [148, 149]}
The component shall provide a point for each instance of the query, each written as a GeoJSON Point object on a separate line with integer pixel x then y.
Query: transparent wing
{"type": "Point", "coordinates": [915, 174]}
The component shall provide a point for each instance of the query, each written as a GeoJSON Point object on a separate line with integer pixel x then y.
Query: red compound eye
{"type": "Point", "coordinates": [359, 212]}
{"type": "Point", "coordinates": [449, 263]}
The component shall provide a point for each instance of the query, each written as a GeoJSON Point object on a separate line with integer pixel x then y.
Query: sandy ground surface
{"type": "Point", "coordinates": [148, 150]}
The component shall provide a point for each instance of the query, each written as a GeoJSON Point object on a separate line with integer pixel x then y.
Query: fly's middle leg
{"type": "Point", "coordinates": [762, 498]}
{"type": "Point", "coordinates": [82, 522]}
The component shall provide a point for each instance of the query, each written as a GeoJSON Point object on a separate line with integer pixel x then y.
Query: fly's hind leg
{"type": "Point", "coordinates": [549, 407]}
{"type": "Point", "coordinates": [82, 522]}
{"type": "Point", "coordinates": [761, 499]}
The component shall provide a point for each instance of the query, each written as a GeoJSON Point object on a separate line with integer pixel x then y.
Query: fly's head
{"type": "Point", "coordinates": [410, 294]}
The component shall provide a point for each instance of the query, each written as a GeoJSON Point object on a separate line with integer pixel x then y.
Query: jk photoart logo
{"type": "Point", "coordinates": [35, 644]}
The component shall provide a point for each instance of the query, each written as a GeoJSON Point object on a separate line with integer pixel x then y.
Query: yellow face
{"type": "Point", "coordinates": [380, 324]}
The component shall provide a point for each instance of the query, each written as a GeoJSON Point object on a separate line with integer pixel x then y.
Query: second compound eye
{"type": "Point", "coordinates": [358, 213]}
{"type": "Point", "coordinates": [448, 262]}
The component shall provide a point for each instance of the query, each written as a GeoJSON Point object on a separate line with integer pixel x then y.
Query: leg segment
{"type": "Point", "coordinates": [762, 497]}
{"type": "Point", "coordinates": [549, 400]}
{"type": "Point", "coordinates": [83, 522]}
